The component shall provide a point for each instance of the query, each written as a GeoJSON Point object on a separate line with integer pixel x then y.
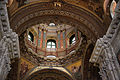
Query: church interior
{"type": "Point", "coordinates": [59, 39]}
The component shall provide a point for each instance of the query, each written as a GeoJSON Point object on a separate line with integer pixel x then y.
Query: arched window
{"type": "Point", "coordinates": [72, 39]}
{"type": "Point", "coordinates": [51, 56]}
{"type": "Point", "coordinates": [30, 37]}
{"type": "Point", "coordinates": [51, 43]}
{"type": "Point", "coordinates": [52, 24]}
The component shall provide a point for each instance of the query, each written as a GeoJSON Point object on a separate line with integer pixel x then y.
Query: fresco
{"type": "Point", "coordinates": [25, 67]}
{"type": "Point", "coordinates": [75, 69]}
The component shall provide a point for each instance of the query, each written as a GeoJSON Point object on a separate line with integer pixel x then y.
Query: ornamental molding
{"type": "Point", "coordinates": [60, 61]}
{"type": "Point", "coordinates": [111, 33]}
{"type": "Point", "coordinates": [27, 13]}
{"type": "Point", "coordinates": [104, 54]}
{"type": "Point", "coordinates": [8, 36]}
{"type": "Point", "coordinates": [45, 72]}
{"type": "Point", "coordinates": [9, 44]}
{"type": "Point", "coordinates": [83, 28]}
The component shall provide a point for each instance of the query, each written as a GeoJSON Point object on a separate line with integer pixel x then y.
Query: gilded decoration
{"type": "Point", "coordinates": [56, 40]}
{"type": "Point", "coordinates": [25, 67]}
{"type": "Point", "coordinates": [66, 11]}
{"type": "Point", "coordinates": [71, 67]}
{"type": "Point", "coordinates": [92, 5]}
{"type": "Point", "coordinates": [38, 59]}
{"type": "Point", "coordinates": [52, 72]}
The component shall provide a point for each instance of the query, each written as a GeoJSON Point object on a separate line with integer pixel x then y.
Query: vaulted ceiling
{"type": "Point", "coordinates": [81, 13]}
{"type": "Point", "coordinates": [86, 15]}
{"type": "Point", "coordinates": [93, 5]}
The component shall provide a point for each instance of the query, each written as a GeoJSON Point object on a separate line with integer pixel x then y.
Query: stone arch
{"type": "Point", "coordinates": [32, 14]}
{"type": "Point", "coordinates": [46, 73]}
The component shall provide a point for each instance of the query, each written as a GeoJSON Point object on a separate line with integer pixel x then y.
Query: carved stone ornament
{"type": "Point", "coordinates": [104, 53]}
{"type": "Point", "coordinates": [9, 44]}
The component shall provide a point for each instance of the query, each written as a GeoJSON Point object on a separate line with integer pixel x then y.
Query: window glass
{"type": "Point", "coordinates": [48, 46]}
{"type": "Point", "coordinates": [52, 24]}
{"type": "Point", "coordinates": [72, 39]}
{"type": "Point", "coordinates": [53, 46]}
{"type": "Point", "coordinates": [51, 56]}
{"type": "Point", "coordinates": [51, 43]}
{"type": "Point", "coordinates": [30, 36]}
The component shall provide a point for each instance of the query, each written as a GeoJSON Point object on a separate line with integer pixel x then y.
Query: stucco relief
{"type": "Point", "coordinates": [61, 12]}
{"type": "Point", "coordinates": [50, 12]}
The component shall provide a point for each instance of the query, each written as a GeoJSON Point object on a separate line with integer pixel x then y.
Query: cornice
{"type": "Point", "coordinates": [26, 13]}
{"type": "Point", "coordinates": [65, 1]}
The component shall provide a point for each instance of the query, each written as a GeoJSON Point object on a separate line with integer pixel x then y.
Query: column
{"type": "Point", "coordinates": [58, 35]}
{"type": "Point", "coordinates": [41, 41]}
{"type": "Point", "coordinates": [61, 39]}
{"type": "Point", "coordinates": [76, 33]}
{"type": "Point", "coordinates": [44, 38]}
{"type": "Point", "coordinates": [64, 39]}
{"type": "Point", "coordinates": [57, 41]}
{"type": "Point", "coordinates": [39, 37]}
{"type": "Point", "coordinates": [79, 35]}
